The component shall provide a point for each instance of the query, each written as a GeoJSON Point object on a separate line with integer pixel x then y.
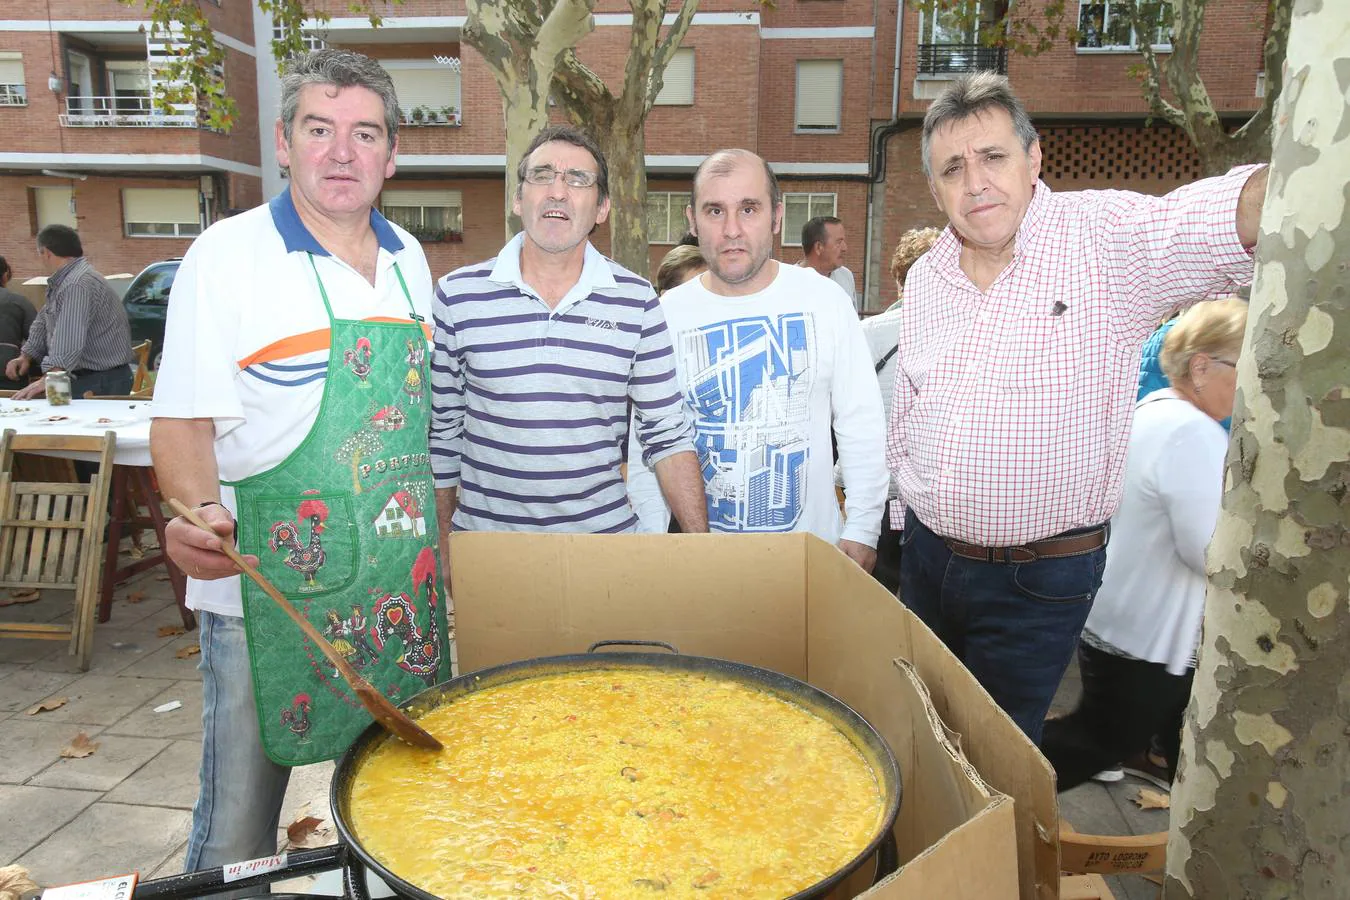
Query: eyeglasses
{"type": "Point", "coordinates": [577, 178]}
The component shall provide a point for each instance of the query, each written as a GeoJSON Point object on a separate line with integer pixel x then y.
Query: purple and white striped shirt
{"type": "Point", "coordinates": [530, 405]}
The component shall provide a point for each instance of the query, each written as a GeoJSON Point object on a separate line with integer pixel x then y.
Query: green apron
{"type": "Point", "coordinates": [345, 527]}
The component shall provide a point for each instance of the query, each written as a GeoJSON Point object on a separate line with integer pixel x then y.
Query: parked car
{"type": "Point", "coordinates": [147, 305]}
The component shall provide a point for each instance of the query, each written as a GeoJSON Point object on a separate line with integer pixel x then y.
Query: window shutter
{"type": "Point", "coordinates": [433, 87]}
{"type": "Point", "coordinates": [430, 197]}
{"type": "Point", "coordinates": [53, 206]}
{"type": "Point", "coordinates": [11, 67]}
{"type": "Point", "coordinates": [160, 205]}
{"type": "Point", "coordinates": [677, 88]}
{"type": "Point", "coordinates": [819, 87]}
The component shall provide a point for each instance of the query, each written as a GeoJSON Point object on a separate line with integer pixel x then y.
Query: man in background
{"type": "Point", "coordinates": [81, 329]}
{"type": "Point", "coordinates": [16, 318]}
{"type": "Point", "coordinates": [825, 246]}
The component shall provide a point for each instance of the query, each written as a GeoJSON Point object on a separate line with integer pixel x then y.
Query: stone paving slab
{"type": "Point", "coordinates": [41, 810]}
{"type": "Point", "coordinates": [169, 779]}
{"type": "Point", "coordinates": [116, 758]}
{"type": "Point", "coordinates": [102, 699]}
{"type": "Point", "coordinates": [28, 745]}
{"type": "Point", "coordinates": [22, 689]}
{"type": "Point", "coordinates": [184, 723]}
{"type": "Point", "coordinates": [114, 650]}
{"type": "Point", "coordinates": [107, 839]}
{"type": "Point", "coordinates": [163, 661]}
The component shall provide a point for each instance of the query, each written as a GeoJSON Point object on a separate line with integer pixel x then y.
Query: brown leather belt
{"type": "Point", "coordinates": [1075, 544]}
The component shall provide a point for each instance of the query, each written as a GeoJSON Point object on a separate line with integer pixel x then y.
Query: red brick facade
{"type": "Point", "coordinates": [1089, 109]}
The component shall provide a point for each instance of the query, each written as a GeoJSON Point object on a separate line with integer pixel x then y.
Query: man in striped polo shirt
{"type": "Point", "coordinates": [539, 353]}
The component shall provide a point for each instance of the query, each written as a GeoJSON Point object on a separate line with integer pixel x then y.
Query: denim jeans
{"type": "Point", "coordinates": [1013, 625]}
{"type": "Point", "coordinates": [239, 803]}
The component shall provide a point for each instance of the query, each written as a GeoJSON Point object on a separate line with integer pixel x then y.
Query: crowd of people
{"type": "Point", "coordinates": [319, 387]}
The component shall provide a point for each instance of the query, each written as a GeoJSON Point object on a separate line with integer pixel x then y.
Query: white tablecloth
{"type": "Point", "coordinates": [130, 419]}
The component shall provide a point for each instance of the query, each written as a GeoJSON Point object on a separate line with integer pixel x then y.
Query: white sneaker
{"type": "Point", "coordinates": [1110, 776]}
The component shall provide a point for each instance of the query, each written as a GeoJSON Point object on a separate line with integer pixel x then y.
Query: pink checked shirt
{"type": "Point", "coordinates": [1012, 408]}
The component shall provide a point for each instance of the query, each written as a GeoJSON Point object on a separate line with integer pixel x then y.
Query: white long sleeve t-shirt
{"type": "Point", "coordinates": [1152, 598]}
{"type": "Point", "coordinates": [766, 376]}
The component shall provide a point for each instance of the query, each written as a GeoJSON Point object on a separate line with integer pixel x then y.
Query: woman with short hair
{"type": "Point", "coordinates": [1137, 651]}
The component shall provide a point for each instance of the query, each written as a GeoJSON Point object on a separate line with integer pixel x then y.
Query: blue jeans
{"type": "Point", "coordinates": [116, 380]}
{"type": "Point", "coordinates": [239, 804]}
{"type": "Point", "coordinates": [1014, 625]}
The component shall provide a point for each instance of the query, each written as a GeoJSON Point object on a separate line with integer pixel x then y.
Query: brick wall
{"type": "Point", "coordinates": [98, 205]}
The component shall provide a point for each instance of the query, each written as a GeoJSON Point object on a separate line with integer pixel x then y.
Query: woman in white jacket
{"type": "Point", "coordinates": [1137, 652]}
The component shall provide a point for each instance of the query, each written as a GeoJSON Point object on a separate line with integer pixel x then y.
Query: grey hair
{"type": "Point", "coordinates": [723, 163]}
{"type": "Point", "coordinates": [341, 69]}
{"type": "Point", "coordinates": [970, 95]}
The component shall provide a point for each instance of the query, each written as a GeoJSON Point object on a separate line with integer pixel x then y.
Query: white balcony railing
{"type": "Point", "coordinates": [425, 115]}
{"type": "Point", "coordinates": [124, 111]}
{"type": "Point", "coordinates": [13, 95]}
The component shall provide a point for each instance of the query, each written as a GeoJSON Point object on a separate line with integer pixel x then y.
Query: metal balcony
{"type": "Point", "coordinates": [124, 111]}
{"type": "Point", "coordinates": [956, 59]}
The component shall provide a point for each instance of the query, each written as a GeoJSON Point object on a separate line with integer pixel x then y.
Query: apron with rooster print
{"type": "Point", "coordinates": [345, 527]}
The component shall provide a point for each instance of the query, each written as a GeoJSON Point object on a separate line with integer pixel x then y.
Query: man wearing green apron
{"type": "Point", "coordinates": [288, 410]}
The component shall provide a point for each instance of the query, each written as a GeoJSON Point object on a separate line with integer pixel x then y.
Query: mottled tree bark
{"type": "Point", "coordinates": [1261, 807]}
{"type": "Point", "coordinates": [618, 122]}
{"type": "Point", "coordinates": [522, 42]}
{"type": "Point", "coordinates": [1194, 112]}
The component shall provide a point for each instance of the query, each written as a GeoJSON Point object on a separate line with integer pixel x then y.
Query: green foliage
{"type": "Point", "coordinates": [194, 72]}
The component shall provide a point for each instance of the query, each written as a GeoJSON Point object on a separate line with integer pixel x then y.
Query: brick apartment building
{"type": "Point", "coordinates": [831, 92]}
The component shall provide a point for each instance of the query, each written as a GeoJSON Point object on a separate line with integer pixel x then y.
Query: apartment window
{"type": "Point", "coordinates": [13, 90]}
{"type": "Point", "coordinates": [665, 217]}
{"type": "Point", "coordinates": [820, 88]}
{"type": "Point", "coordinates": [54, 206]}
{"type": "Point", "coordinates": [308, 39]}
{"type": "Point", "coordinates": [950, 39]}
{"type": "Point", "coordinates": [427, 94]}
{"type": "Point", "coordinates": [798, 209]}
{"type": "Point", "coordinates": [1107, 26]}
{"type": "Point", "coordinates": [161, 212]}
{"type": "Point", "coordinates": [428, 215]}
{"type": "Point", "coordinates": [677, 83]}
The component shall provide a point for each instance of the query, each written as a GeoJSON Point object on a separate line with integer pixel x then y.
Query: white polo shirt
{"type": "Point", "coordinates": [247, 339]}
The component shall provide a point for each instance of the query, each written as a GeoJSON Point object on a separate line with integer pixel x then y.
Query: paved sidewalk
{"type": "Point", "coordinates": [128, 806]}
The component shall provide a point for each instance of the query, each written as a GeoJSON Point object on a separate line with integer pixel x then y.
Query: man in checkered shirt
{"type": "Point", "coordinates": [1018, 355]}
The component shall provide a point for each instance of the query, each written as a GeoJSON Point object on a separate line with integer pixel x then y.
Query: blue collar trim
{"type": "Point", "coordinates": [297, 237]}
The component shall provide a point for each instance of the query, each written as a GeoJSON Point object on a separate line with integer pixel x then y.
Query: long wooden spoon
{"type": "Point", "coordinates": [378, 705]}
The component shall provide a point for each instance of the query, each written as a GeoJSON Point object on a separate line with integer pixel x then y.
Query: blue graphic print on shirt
{"type": "Point", "coordinates": [749, 383]}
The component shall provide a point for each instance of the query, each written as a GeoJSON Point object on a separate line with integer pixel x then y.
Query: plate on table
{"type": "Point", "coordinates": [7, 411]}
{"type": "Point", "coordinates": [107, 422]}
{"type": "Point", "coordinates": [58, 419]}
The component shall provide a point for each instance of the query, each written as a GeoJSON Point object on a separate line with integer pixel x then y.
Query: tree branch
{"type": "Point", "coordinates": [1152, 75]}
{"type": "Point", "coordinates": [666, 51]}
{"type": "Point", "coordinates": [1273, 54]}
{"type": "Point", "coordinates": [565, 25]}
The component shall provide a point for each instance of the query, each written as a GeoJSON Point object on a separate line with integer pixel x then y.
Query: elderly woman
{"type": "Point", "coordinates": [1137, 652]}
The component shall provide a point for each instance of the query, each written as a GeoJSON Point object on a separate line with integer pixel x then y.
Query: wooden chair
{"type": "Point", "coordinates": [51, 535]}
{"type": "Point", "coordinates": [1087, 857]}
{"type": "Point", "coordinates": [138, 382]}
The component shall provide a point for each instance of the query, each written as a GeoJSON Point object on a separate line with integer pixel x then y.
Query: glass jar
{"type": "Point", "coordinates": [58, 387]}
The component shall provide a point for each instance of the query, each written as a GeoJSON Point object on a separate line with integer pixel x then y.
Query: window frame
{"type": "Point", "coordinates": [1134, 44]}
{"type": "Point", "coordinates": [674, 234]}
{"type": "Point", "coordinates": [797, 127]}
{"type": "Point", "coordinates": [424, 235]}
{"type": "Point", "coordinates": [811, 213]}
{"type": "Point", "coordinates": [14, 93]}
{"type": "Point", "coordinates": [180, 230]}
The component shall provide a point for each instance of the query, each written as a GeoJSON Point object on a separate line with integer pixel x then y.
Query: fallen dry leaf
{"type": "Point", "coordinates": [162, 576]}
{"type": "Point", "coordinates": [15, 883]}
{"type": "Point", "coordinates": [171, 630]}
{"type": "Point", "coordinates": [46, 705]}
{"type": "Point", "coordinates": [136, 552]}
{"type": "Point", "coordinates": [189, 650]}
{"type": "Point", "coordinates": [80, 747]}
{"type": "Point", "coordinates": [21, 595]}
{"type": "Point", "coordinates": [302, 828]}
{"type": "Point", "coordinates": [1149, 799]}
{"type": "Point", "coordinates": [135, 596]}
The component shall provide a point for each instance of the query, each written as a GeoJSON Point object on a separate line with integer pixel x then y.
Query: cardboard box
{"type": "Point", "coordinates": [794, 604]}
